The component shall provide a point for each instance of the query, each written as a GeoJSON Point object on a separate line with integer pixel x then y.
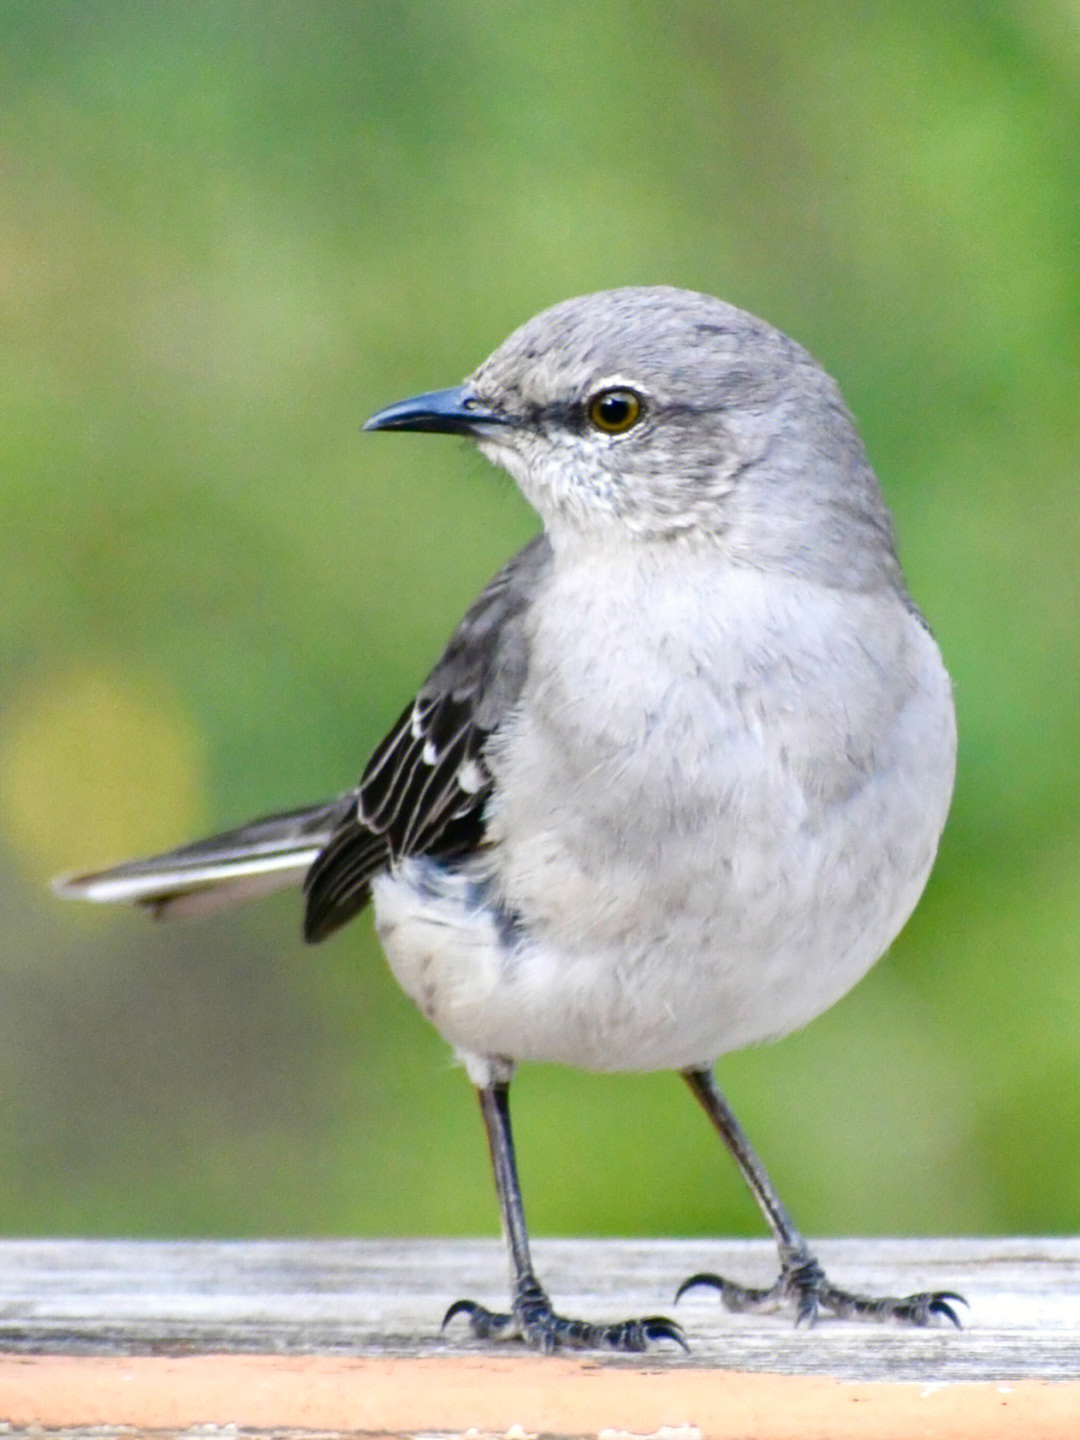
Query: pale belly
{"type": "Point", "coordinates": [657, 899]}
{"type": "Point", "coordinates": [678, 988]}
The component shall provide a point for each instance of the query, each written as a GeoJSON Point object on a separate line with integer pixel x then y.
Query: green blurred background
{"type": "Point", "coordinates": [230, 231]}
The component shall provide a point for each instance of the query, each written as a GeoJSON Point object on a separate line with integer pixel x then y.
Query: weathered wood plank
{"type": "Point", "coordinates": [381, 1298]}
{"type": "Point", "coordinates": [321, 1338]}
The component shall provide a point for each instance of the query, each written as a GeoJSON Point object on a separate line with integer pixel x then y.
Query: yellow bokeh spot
{"type": "Point", "coordinates": [96, 767]}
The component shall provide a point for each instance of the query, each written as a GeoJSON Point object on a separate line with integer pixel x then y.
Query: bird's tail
{"type": "Point", "coordinates": [256, 859]}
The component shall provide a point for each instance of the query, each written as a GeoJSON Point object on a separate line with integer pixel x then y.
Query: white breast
{"type": "Point", "coordinates": [704, 834]}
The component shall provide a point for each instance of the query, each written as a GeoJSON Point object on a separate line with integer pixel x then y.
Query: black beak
{"type": "Point", "coordinates": [450, 412]}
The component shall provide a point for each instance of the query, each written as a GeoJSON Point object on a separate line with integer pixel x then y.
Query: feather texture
{"type": "Point", "coordinates": [424, 789]}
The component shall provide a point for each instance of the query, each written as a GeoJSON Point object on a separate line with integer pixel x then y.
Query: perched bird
{"type": "Point", "coordinates": [678, 778]}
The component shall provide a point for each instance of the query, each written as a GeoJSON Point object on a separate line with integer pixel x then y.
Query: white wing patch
{"type": "Point", "coordinates": [470, 777]}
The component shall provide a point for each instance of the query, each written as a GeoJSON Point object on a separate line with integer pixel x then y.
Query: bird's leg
{"type": "Point", "coordinates": [531, 1317]}
{"type": "Point", "coordinates": [802, 1282]}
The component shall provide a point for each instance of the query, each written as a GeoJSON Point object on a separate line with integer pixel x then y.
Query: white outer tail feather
{"type": "Point", "coordinates": [190, 889]}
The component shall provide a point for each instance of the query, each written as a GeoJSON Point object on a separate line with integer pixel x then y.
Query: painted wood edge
{"type": "Point", "coordinates": [524, 1396]}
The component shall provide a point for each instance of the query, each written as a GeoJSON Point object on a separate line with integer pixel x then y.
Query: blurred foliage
{"type": "Point", "coordinates": [230, 230]}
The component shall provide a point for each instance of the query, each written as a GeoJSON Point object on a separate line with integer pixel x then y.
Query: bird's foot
{"type": "Point", "coordinates": [803, 1283]}
{"type": "Point", "coordinates": [534, 1321]}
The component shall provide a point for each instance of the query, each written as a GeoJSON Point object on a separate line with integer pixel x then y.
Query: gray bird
{"type": "Point", "coordinates": [678, 778]}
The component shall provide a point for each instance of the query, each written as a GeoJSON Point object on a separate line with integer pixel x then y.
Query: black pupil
{"type": "Point", "coordinates": [614, 409]}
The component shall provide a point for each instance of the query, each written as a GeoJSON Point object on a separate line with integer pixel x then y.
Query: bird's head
{"type": "Point", "coordinates": [656, 413]}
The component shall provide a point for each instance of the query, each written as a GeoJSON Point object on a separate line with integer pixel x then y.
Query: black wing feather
{"type": "Point", "coordinates": [424, 789]}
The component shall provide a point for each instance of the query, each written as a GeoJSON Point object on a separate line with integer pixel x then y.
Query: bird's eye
{"type": "Point", "coordinates": [614, 411]}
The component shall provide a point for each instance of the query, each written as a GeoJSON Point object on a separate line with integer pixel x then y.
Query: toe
{"type": "Point", "coordinates": [701, 1280]}
{"type": "Point", "coordinates": [485, 1324]}
{"type": "Point", "coordinates": [939, 1302]}
{"type": "Point", "coordinates": [655, 1328]}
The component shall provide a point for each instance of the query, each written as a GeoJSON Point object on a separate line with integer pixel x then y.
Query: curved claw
{"type": "Point", "coordinates": [659, 1327]}
{"type": "Point", "coordinates": [713, 1281]}
{"type": "Point", "coordinates": [940, 1302]}
{"type": "Point", "coordinates": [485, 1324]}
{"type": "Point", "coordinates": [459, 1307]}
{"type": "Point", "coordinates": [734, 1297]}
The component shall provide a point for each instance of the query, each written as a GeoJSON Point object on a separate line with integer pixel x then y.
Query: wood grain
{"type": "Point", "coordinates": [329, 1337]}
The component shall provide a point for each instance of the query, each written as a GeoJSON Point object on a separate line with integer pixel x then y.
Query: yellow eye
{"type": "Point", "coordinates": [614, 411]}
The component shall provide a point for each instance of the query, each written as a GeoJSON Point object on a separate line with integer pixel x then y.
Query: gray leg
{"type": "Point", "coordinates": [802, 1282]}
{"type": "Point", "coordinates": [531, 1317]}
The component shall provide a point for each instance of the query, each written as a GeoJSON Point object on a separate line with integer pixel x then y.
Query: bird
{"type": "Point", "coordinates": [680, 774]}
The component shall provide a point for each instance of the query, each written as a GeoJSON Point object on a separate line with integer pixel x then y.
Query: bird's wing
{"type": "Point", "coordinates": [424, 788]}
